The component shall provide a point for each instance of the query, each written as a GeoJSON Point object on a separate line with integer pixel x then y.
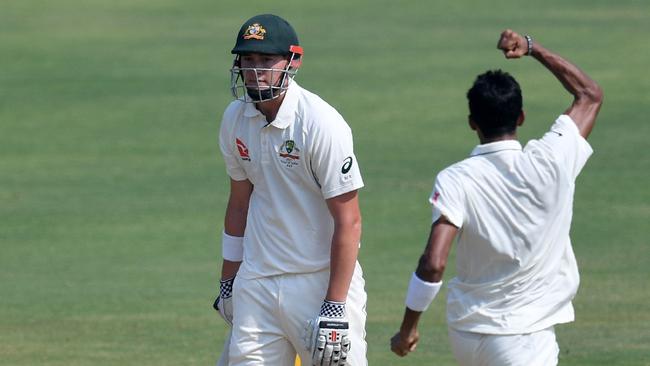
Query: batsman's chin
{"type": "Point", "coordinates": [257, 87]}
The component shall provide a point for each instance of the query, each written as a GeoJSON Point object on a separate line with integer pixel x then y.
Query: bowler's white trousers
{"type": "Point", "coordinates": [270, 317]}
{"type": "Point", "coordinates": [533, 349]}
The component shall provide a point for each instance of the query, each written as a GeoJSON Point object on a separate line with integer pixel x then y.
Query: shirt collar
{"type": "Point", "coordinates": [496, 146]}
{"type": "Point", "coordinates": [250, 110]}
{"type": "Point", "coordinates": [286, 113]}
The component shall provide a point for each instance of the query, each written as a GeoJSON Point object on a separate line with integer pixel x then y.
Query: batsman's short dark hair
{"type": "Point", "coordinates": [495, 103]}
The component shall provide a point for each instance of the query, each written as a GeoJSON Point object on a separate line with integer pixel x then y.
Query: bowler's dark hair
{"type": "Point", "coordinates": [495, 103]}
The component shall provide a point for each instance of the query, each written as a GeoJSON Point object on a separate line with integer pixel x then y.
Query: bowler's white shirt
{"type": "Point", "coordinates": [295, 163]}
{"type": "Point", "coordinates": [516, 271]}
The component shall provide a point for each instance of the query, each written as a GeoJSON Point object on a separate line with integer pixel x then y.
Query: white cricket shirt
{"type": "Point", "coordinates": [516, 271]}
{"type": "Point", "coordinates": [295, 163]}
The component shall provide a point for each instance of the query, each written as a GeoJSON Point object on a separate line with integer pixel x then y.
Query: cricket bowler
{"type": "Point", "coordinates": [510, 209]}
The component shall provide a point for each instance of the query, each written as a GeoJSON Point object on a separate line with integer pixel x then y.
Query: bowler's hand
{"type": "Point", "coordinates": [404, 342]}
{"type": "Point", "coordinates": [512, 44]}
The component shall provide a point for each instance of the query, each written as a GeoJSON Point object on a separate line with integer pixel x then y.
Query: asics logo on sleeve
{"type": "Point", "coordinates": [347, 165]}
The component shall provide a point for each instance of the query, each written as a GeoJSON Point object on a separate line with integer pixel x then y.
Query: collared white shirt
{"type": "Point", "coordinates": [295, 163]}
{"type": "Point", "coordinates": [516, 271]}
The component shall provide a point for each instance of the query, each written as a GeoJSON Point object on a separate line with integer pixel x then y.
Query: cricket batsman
{"type": "Point", "coordinates": [291, 284]}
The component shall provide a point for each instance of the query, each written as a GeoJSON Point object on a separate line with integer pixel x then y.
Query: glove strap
{"type": "Point", "coordinates": [225, 288]}
{"type": "Point", "coordinates": [332, 309]}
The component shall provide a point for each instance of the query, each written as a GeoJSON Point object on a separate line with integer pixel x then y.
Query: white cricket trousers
{"type": "Point", "coordinates": [533, 349]}
{"type": "Point", "coordinates": [270, 317]}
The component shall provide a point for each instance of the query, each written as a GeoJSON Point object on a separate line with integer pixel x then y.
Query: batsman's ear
{"type": "Point", "coordinates": [296, 63]}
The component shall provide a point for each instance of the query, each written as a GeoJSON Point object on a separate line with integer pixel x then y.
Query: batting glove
{"type": "Point", "coordinates": [223, 303]}
{"type": "Point", "coordinates": [328, 340]}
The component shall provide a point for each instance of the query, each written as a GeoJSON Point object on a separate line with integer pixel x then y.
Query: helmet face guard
{"type": "Point", "coordinates": [257, 93]}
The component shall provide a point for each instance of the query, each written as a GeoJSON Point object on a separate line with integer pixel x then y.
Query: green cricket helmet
{"type": "Point", "coordinates": [265, 34]}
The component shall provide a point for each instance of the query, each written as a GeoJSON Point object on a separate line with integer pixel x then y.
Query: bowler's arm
{"type": "Point", "coordinates": [235, 220]}
{"type": "Point", "coordinates": [431, 267]}
{"type": "Point", "coordinates": [587, 94]}
{"type": "Point", "coordinates": [345, 243]}
{"type": "Point", "coordinates": [433, 261]}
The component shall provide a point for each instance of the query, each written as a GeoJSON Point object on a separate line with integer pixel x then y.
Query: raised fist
{"type": "Point", "coordinates": [512, 44]}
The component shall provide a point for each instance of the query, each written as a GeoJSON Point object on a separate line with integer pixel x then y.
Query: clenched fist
{"type": "Point", "coordinates": [513, 44]}
{"type": "Point", "coordinates": [402, 344]}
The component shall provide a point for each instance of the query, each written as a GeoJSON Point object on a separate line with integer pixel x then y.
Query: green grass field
{"type": "Point", "coordinates": [112, 190]}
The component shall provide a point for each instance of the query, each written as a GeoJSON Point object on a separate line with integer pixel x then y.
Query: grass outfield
{"type": "Point", "coordinates": [112, 191]}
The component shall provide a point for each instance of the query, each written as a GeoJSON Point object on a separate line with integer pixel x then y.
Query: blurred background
{"type": "Point", "coordinates": [112, 189]}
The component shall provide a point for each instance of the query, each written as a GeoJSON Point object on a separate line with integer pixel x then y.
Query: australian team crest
{"type": "Point", "coordinates": [255, 31]}
{"type": "Point", "coordinates": [289, 145]}
{"type": "Point", "coordinates": [289, 153]}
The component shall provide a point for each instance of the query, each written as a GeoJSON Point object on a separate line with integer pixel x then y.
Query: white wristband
{"type": "Point", "coordinates": [232, 247]}
{"type": "Point", "coordinates": [421, 293]}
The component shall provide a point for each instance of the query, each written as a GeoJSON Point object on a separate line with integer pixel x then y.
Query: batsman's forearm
{"type": "Point", "coordinates": [235, 220]}
{"type": "Point", "coordinates": [343, 258]}
{"type": "Point", "coordinates": [234, 225]}
{"type": "Point", "coordinates": [229, 269]}
{"type": "Point", "coordinates": [574, 80]}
